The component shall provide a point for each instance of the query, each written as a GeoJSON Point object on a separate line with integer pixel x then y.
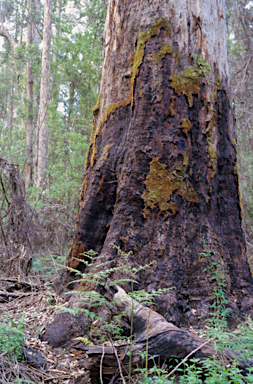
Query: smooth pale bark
{"type": "Point", "coordinates": [29, 128]}
{"type": "Point", "coordinates": [42, 125]}
{"type": "Point", "coordinates": [55, 85]}
{"type": "Point", "coordinates": [11, 109]}
{"type": "Point", "coordinates": [161, 171]}
{"type": "Point", "coordinates": [37, 26]}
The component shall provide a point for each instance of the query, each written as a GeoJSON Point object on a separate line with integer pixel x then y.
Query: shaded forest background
{"type": "Point", "coordinates": [40, 222]}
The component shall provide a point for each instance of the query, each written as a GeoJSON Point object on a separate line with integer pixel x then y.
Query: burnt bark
{"type": "Point", "coordinates": [161, 171]}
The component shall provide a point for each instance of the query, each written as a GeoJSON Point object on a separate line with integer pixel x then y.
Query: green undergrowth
{"type": "Point", "coordinates": [11, 336]}
{"type": "Point", "coordinates": [214, 370]}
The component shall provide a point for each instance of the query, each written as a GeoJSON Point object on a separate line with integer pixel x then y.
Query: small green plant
{"type": "Point", "coordinates": [11, 337]}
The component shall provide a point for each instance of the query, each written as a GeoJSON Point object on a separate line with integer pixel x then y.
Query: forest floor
{"type": "Point", "coordinates": [31, 307]}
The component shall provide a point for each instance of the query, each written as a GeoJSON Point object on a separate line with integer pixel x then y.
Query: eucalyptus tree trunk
{"type": "Point", "coordinates": [161, 171]}
{"type": "Point", "coordinates": [29, 128]}
{"type": "Point", "coordinates": [42, 125]}
{"type": "Point", "coordinates": [55, 83]}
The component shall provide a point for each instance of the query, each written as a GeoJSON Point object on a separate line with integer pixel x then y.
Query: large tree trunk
{"type": "Point", "coordinates": [161, 172]}
{"type": "Point", "coordinates": [42, 125]}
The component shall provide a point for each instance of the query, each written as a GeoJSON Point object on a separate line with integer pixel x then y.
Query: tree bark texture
{"type": "Point", "coordinates": [161, 171]}
{"type": "Point", "coordinates": [42, 125]}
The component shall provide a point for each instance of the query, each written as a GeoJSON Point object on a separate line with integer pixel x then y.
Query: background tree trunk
{"type": "Point", "coordinates": [42, 125]}
{"type": "Point", "coordinates": [29, 129]}
{"type": "Point", "coordinates": [161, 172]}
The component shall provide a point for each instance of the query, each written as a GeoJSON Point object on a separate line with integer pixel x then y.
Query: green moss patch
{"type": "Point", "coordinates": [186, 126]}
{"type": "Point", "coordinates": [98, 105]}
{"type": "Point", "coordinates": [213, 159]}
{"type": "Point", "coordinates": [165, 48]}
{"type": "Point", "coordinates": [160, 185]}
{"type": "Point", "coordinates": [189, 82]}
{"type": "Point", "coordinates": [144, 37]}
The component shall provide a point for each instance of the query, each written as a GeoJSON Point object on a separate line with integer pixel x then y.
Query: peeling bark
{"type": "Point", "coordinates": [161, 172]}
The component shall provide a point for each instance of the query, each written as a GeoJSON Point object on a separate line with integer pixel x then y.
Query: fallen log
{"type": "Point", "coordinates": [164, 340]}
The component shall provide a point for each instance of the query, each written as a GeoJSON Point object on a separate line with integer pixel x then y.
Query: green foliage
{"type": "Point", "coordinates": [11, 337]}
{"type": "Point", "coordinates": [48, 264]}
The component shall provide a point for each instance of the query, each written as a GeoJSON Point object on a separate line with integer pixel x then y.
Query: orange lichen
{"type": "Point", "coordinates": [186, 126]}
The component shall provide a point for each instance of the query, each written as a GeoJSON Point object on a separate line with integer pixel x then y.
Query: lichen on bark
{"type": "Point", "coordinates": [110, 109]}
{"type": "Point", "coordinates": [189, 82]}
{"type": "Point", "coordinates": [160, 185]}
{"type": "Point", "coordinates": [144, 37]}
{"type": "Point", "coordinates": [186, 126]}
{"type": "Point", "coordinates": [165, 48]}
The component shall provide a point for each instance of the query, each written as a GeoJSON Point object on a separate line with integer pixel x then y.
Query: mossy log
{"type": "Point", "coordinates": [164, 340]}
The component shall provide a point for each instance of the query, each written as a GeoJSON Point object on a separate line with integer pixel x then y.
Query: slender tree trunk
{"type": "Point", "coordinates": [42, 126]}
{"type": "Point", "coordinates": [11, 110]}
{"type": "Point", "coordinates": [36, 25]}
{"type": "Point", "coordinates": [161, 171]}
{"type": "Point", "coordinates": [29, 129]}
